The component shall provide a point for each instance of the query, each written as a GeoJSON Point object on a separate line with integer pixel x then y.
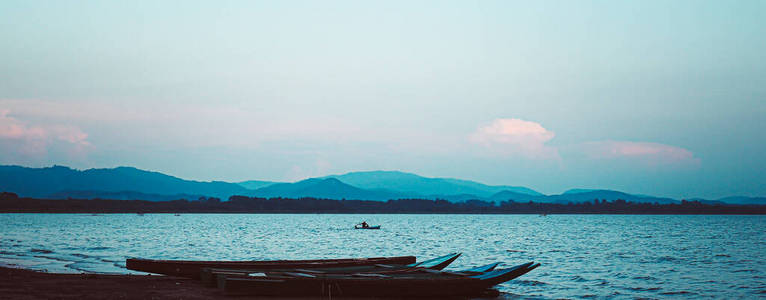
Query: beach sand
{"type": "Point", "coordinates": [25, 284]}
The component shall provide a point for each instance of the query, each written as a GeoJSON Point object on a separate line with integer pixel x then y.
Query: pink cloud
{"type": "Point", "coordinates": [187, 124]}
{"type": "Point", "coordinates": [28, 140]}
{"type": "Point", "coordinates": [516, 136]}
{"type": "Point", "coordinates": [10, 128]}
{"type": "Point", "coordinates": [529, 139]}
{"type": "Point", "coordinates": [651, 153]}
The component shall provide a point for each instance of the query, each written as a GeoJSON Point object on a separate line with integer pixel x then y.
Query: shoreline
{"type": "Point", "coordinates": [24, 284]}
{"type": "Point", "coordinates": [98, 213]}
{"type": "Point", "coordinates": [20, 283]}
{"type": "Point", "coordinates": [240, 204]}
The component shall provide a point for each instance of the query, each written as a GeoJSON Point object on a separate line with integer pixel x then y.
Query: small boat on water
{"type": "Point", "coordinates": [438, 284]}
{"type": "Point", "coordinates": [368, 227]}
{"type": "Point", "coordinates": [192, 268]}
{"type": "Point", "coordinates": [364, 225]}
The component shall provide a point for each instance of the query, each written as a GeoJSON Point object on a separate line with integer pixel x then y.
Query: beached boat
{"type": "Point", "coordinates": [378, 285]}
{"type": "Point", "coordinates": [192, 268]}
{"type": "Point", "coordinates": [211, 276]}
{"type": "Point", "coordinates": [220, 278]}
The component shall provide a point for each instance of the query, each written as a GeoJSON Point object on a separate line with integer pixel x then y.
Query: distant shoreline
{"type": "Point", "coordinates": [242, 204]}
{"type": "Point", "coordinates": [383, 213]}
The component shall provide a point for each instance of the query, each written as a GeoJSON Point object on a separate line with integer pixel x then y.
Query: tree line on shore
{"type": "Point", "coordinates": [10, 202]}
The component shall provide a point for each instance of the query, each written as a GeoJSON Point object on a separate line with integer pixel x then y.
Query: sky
{"type": "Point", "coordinates": [665, 98]}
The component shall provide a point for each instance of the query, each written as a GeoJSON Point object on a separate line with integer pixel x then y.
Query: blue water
{"type": "Point", "coordinates": [582, 256]}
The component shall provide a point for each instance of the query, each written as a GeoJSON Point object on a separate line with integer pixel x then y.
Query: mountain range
{"type": "Point", "coordinates": [62, 182]}
{"type": "Point", "coordinates": [125, 183]}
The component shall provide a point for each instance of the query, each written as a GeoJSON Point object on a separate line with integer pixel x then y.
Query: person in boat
{"type": "Point", "coordinates": [365, 225]}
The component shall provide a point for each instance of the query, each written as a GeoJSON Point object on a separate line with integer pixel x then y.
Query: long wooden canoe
{"type": "Point", "coordinates": [376, 285]}
{"type": "Point", "coordinates": [219, 276]}
{"type": "Point", "coordinates": [192, 268]}
{"type": "Point", "coordinates": [211, 276]}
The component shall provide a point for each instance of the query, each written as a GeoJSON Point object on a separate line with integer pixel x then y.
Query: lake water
{"type": "Point", "coordinates": [582, 256]}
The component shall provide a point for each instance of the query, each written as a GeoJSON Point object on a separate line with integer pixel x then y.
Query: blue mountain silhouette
{"type": "Point", "coordinates": [328, 188]}
{"type": "Point", "coordinates": [424, 186]}
{"type": "Point", "coordinates": [124, 183]}
{"type": "Point", "coordinates": [62, 182]}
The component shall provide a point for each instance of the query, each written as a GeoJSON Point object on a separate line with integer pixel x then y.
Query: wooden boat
{"type": "Point", "coordinates": [211, 276]}
{"type": "Point", "coordinates": [220, 277]}
{"type": "Point", "coordinates": [442, 284]}
{"type": "Point", "coordinates": [192, 268]}
{"type": "Point", "coordinates": [368, 227]}
{"type": "Point", "coordinates": [480, 269]}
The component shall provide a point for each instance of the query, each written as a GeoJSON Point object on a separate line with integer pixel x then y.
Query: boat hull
{"type": "Point", "coordinates": [402, 285]}
{"type": "Point", "coordinates": [352, 288]}
{"type": "Point", "coordinates": [192, 269]}
{"type": "Point", "coordinates": [370, 227]}
{"type": "Point", "coordinates": [212, 277]}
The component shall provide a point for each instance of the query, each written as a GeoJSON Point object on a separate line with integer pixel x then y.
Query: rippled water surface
{"type": "Point", "coordinates": [582, 256]}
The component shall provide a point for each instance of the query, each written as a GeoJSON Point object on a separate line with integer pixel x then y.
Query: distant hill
{"type": "Point", "coordinates": [329, 188]}
{"type": "Point", "coordinates": [514, 196]}
{"type": "Point", "coordinates": [424, 186]}
{"type": "Point", "coordinates": [57, 181]}
{"type": "Point", "coordinates": [124, 195]}
{"type": "Point", "coordinates": [582, 195]}
{"type": "Point", "coordinates": [256, 184]}
{"type": "Point", "coordinates": [492, 189]}
{"type": "Point", "coordinates": [740, 200]}
{"type": "Point", "coordinates": [450, 198]}
{"type": "Point", "coordinates": [744, 200]}
{"type": "Point", "coordinates": [579, 196]}
{"type": "Point", "coordinates": [579, 191]}
{"type": "Point", "coordinates": [708, 202]}
{"type": "Point", "coordinates": [127, 183]}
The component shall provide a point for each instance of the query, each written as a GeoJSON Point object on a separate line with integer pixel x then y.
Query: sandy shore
{"type": "Point", "coordinates": [25, 284]}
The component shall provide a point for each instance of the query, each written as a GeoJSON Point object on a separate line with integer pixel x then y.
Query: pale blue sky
{"type": "Point", "coordinates": [655, 97]}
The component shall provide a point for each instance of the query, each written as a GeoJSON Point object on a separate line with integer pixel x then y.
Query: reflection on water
{"type": "Point", "coordinates": [581, 255]}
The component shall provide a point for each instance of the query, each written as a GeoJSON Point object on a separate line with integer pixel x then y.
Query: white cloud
{"type": "Point", "coordinates": [648, 153]}
{"type": "Point", "coordinates": [509, 136]}
{"type": "Point", "coordinates": [516, 137]}
{"type": "Point", "coordinates": [185, 124]}
{"type": "Point", "coordinates": [20, 139]}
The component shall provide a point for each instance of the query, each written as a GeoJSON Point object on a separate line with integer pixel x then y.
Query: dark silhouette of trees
{"type": "Point", "coordinates": [10, 202]}
{"type": "Point", "coordinates": [8, 196]}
